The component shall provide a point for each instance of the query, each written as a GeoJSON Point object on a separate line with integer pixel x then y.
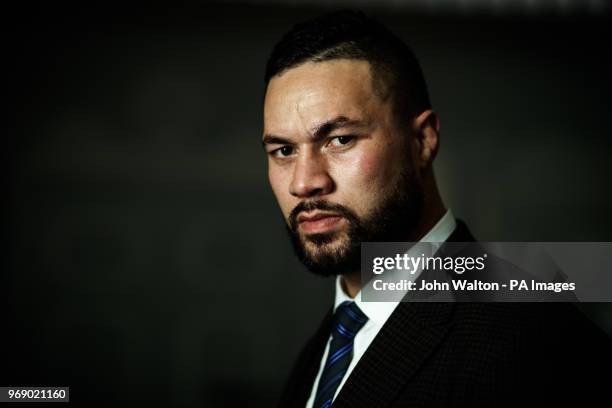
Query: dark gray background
{"type": "Point", "coordinates": [146, 257]}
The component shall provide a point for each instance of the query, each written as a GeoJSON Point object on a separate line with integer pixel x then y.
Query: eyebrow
{"type": "Point", "coordinates": [338, 122]}
{"type": "Point", "coordinates": [318, 131]}
{"type": "Point", "coordinates": [273, 139]}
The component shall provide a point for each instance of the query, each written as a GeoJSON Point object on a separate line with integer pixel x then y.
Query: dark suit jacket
{"type": "Point", "coordinates": [469, 354]}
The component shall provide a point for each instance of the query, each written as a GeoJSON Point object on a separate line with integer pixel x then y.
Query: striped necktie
{"type": "Point", "coordinates": [348, 320]}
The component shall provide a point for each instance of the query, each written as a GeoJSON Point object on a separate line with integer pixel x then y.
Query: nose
{"type": "Point", "coordinates": [310, 177]}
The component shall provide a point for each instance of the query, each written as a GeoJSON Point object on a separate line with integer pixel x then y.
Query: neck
{"type": "Point", "coordinates": [433, 211]}
{"type": "Point", "coordinates": [351, 284]}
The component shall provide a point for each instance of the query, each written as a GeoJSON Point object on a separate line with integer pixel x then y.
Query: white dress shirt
{"type": "Point", "coordinates": [377, 312]}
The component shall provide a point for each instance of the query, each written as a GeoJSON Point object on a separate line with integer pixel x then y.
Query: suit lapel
{"type": "Point", "coordinates": [412, 332]}
{"type": "Point", "coordinates": [461, 234]}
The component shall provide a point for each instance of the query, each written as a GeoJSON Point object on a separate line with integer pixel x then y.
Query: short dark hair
{"type": "Point", "coordinates": [349, 34]}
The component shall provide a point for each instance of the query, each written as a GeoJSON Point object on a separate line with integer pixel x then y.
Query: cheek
{"type": "Point", "coordinates": [371, 170]}
{"type": "Point", "coordinates": [381, 165]}
{"type": "Point", "coordinates": [370, 178]}
{"type": "Point", "coordinates": [280, 187]}
{"type": "Point", "coordinates": [368, 165]}
{"type": "Point", "coordinates": [361, 181]}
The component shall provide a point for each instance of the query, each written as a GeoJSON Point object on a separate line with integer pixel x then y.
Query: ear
{"type": "Point", "coordinates": [426, 129]}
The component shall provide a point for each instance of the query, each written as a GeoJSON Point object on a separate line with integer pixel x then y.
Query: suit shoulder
{"type": "Point", "coordinates": [533, 326]}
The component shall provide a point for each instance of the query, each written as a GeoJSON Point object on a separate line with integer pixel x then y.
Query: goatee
{"type": "Point", "coordinates": [339, 252]}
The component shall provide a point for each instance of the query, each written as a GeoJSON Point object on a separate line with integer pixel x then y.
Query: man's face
{"type": "Point", "coordinates": [339, 165]}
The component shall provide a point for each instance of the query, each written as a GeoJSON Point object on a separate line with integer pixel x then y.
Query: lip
{"type": "Point", "coordinates": [318, 222]}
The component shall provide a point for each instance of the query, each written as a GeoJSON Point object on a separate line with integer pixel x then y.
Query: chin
{"type": "Point", "coordinates": [325, 242]}
{"type": "Point", "coordinates": [327, 250]}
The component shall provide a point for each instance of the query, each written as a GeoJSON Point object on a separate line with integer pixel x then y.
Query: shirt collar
{"type": "Point", "coordinates": [379, 312]}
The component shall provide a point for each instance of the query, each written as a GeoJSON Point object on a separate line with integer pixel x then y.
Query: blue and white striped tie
{"type": "Point", "coordinates": [348, 320]}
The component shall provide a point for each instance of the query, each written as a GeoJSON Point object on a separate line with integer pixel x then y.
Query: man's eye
{"type": "Point", "coordinates": [341, 140]}
{"type": "Point", "coordinates": [283, 151]}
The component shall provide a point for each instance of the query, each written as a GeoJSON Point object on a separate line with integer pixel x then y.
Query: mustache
{"type": "Point", "coordinates": [322, 205]}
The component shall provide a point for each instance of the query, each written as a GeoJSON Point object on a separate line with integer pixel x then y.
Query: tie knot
{"type": "Point", "coordinates": [348, 320]}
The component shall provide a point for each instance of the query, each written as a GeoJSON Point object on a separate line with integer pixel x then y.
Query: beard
{"type": "Point", "coordinates": [339, 252]}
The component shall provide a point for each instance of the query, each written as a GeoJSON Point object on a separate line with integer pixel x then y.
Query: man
{"type": "Point", "coordinates": [351, 138]}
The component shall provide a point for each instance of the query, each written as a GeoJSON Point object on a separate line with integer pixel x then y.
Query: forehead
{"type": "Point", "coordinates": [305, 96]}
